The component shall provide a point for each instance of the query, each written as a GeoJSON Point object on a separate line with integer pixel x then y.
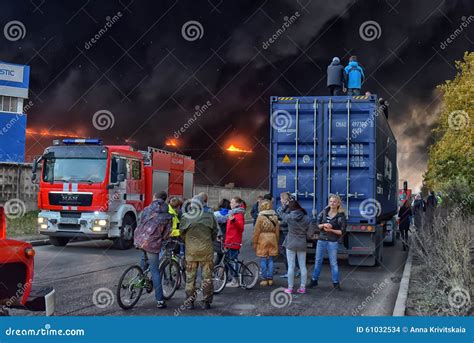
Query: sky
{"type": "Point", "coordinates": [137, 71]}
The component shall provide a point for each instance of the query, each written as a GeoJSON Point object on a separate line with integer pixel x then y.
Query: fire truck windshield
{"type": "Point", "coordinates": [74, 170]}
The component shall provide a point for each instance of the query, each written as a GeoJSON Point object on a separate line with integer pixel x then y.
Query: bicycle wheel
{"type": "Point", "coordinates": [130, 287]}
{"type": "Point", "coordinates": [219, 278]}
{"type": "Point", "coordinates": [249, 273]}
{"type": "Point", "coordinates": [170, 277]}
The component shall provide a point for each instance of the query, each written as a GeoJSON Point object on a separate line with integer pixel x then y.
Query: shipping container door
{"type": "Point", "coordinates": [349, 155]}
{"type": "Point", "coordinates": [294, 150]}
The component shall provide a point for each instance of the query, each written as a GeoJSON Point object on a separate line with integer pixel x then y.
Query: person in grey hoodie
{"type": "Point", "coordinates": [335, 75]}
{"type": "Point", "coordinates": [298, 224]}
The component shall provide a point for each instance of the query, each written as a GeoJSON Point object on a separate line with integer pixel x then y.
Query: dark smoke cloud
{"type": "Point", "coordinates": [152, 91]}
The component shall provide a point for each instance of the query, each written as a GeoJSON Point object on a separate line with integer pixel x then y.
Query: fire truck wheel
{"type": "Point", "coordinates": [125, 241]}
{"type": "Point", "coordinates": [59, 241]}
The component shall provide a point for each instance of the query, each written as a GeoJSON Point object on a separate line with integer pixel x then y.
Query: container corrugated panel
{"type": "Point", "coordinates": [310, 156]}
{"type": "Point", "coordinates": [12, 137]}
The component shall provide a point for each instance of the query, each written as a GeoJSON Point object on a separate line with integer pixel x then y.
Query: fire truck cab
{"type": "Point", "coordinates": [95, 191]}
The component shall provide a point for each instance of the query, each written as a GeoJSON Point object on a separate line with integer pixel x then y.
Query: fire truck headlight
{"type": "Point", "coordinates": [100, 222]}
{"type": "Point", "coordinates": [41, 220]}
{"type": "Point", "coordinates": [97, 228]}
{"type": "Point", "coordinates": [43, 226]}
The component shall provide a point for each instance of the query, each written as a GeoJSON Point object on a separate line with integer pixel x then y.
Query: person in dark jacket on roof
{"type": "Point", "coordinates": [335, 75]}
{"type": "Point", "coordinates": [298, 224]}
{"type": "Point", "coordinates": [332, 226]}
{"type": "Point", "coordinates": [354, 75]}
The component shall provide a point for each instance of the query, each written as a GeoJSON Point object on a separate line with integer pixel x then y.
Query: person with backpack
{"type": "Point", "coordinates": [234, 231]}
{"type": "Point", "coordinates": [298, 224]}
{"type": "Point", "coordinates": [332, 225]}
{"type": "Point", "coordinates": [154, 228]}
{"type": "Point", "coordinates": [221, 218]}
{"type": "Point", "coordinates": [265, 240]}
{"type": "Point", "coordinates": [354, 75]}
{"type": "Point", "coordinates": [335, 77]}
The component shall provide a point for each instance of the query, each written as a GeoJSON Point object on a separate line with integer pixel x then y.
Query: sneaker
{"type": "Point", "coordinates": [264, 283]}
{"type": "Point", "coordinates": [233, 284]}
{"type": "Point", "coordinates": [337, 286]}
{"type": "Point", "coordinates": [301, 290]}
{"type": "Point", "coordinates": [270, 282]}
{"type": "Point", "coordinates": [161, 304]}
{"type": "Point", "coordinates": [284, 276]}
{"type": "Point", "coordinates": [313, 283]}
{"type": "Point", "coordinates": [288, 290]}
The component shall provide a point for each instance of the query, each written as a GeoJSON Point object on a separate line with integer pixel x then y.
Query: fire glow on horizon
{"type": "Point", "coordinates": [233, 148]}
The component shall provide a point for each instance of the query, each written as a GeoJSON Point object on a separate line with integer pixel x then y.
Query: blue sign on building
{"type": "Point", "coordinates": [14, 81]}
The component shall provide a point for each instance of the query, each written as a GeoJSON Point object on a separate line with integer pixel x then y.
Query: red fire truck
{"type": "Point", "coordinates": [95, 191]}
{"type": "Point", "coordinates": [16, 276]}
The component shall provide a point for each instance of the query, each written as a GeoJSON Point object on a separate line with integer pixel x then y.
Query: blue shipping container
{"type": "Point", "coordinates": [12, 137]}
{"type": "Point", "coordinates": [310, 157]}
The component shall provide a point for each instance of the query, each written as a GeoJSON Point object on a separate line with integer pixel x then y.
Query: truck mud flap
{"type": "Point", "coordinates": [43, 299]}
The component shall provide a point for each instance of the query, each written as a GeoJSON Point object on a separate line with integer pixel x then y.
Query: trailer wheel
{"type": "Point", "coordinates": [125, 241]}
{"type": "Point", "coordinates": [59, 241]}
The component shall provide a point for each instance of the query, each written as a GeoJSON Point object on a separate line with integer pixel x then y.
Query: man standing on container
{"type": "Point", "coordinates": [199, 229]}
{"type": "Point", "coordinates": [354, 75]}
{"type": "Point", "coordinates": [335, 76]}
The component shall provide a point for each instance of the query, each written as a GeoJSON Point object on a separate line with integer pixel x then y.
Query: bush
{"type": "Point", "coordinates": [442, 252]}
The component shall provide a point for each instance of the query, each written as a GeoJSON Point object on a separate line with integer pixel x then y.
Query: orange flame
{"type": "Point", "coordinates": [49, 133]}
{"type": "Point", "coordinates": [171, 142]}
{"type": "Point", "coordinates": [233, 148]}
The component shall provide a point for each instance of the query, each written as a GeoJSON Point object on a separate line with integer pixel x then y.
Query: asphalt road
{"type": "Point", "coordinates": [80, 269]}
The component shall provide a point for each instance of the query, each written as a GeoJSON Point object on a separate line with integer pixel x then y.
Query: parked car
{"type": "Point", "coordinates": [16, 276]}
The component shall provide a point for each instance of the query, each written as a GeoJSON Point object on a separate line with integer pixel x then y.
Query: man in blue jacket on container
{"type": "Point", "coordinates": [354, 76]}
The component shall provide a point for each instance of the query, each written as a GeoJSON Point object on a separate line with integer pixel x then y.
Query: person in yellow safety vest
{"type": "Point", "coordinates": [173, 209]}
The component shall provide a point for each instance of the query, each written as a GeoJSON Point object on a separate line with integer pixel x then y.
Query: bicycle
{"type": "Point", "coordinates": [172, 269]}
{"type": "Point", "coordinates": [248, 273]}
{"type": "Point", "coordinates": [132, 283]}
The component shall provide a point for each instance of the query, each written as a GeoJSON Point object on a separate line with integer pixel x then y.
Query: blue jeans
{"type": "Point", "coordinates": [331, 248]}
{"type": "Point", "coordinates": [266, 266]}
{"type": "Point", "coordinates": [233, 254]}
{"type": "Point", "coordinates": [153, 261]}
{"type": "Point", "coordinates": [291, 256]}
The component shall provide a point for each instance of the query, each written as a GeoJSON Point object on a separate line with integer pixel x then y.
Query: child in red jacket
{"type": "Point", "coordinates": [233, 237]}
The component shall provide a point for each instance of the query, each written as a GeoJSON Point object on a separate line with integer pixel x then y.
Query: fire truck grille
{"type": "Point", "coordinates": [69, 227]}
{"type": "Point", "coordinates": [70, 199]}
{"type": "Point", "coordinates": [65, 214]}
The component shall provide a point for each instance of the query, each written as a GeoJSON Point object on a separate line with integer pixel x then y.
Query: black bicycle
{"type": "Point", "coordinates": [248, 273]}
{"type": "Point", "coordinates": [172, 268]}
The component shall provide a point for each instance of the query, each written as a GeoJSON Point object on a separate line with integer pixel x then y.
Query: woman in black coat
{"type": "Point", "coordinates": [404, 215]}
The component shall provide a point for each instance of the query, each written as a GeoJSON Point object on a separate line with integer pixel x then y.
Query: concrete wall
{"type": "Point", "coordinates": [15, 183]}
{"type": "Point", "coordinates": [216, 193]}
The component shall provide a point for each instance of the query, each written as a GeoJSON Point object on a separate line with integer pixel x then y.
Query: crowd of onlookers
{"type": "Point", "coordinates": [203, 232]}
